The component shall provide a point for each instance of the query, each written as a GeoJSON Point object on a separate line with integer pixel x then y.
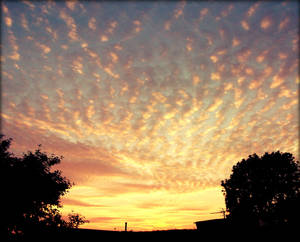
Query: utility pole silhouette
{"type": "Point", "coordinates": [125, 226]}
{"type": "Point", "coordinates": [222, 211]}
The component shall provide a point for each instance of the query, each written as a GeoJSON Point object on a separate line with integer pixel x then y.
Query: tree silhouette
{"type": "Point", "coordinates": [264, 190]}
{"type": "Point", "coordinates": [75, 220]}
{"type": "Point", "coordinates": [31, 192]}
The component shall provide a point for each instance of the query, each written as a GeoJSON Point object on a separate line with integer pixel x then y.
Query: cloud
{"type": "Point", "coordinates": [74, 202]}
{"type": "Point", "coordinates": [71, 5]}
{"type": "Point", "coordinates": [8, 21]}
{"type": "Point", "coordinates": [215, 105]}
{"type": "Point", "coordinates": [149, 205]}
{"type": "Point", "coordinates": [102, 219]}
{"type": "Point", "coordinates": [46, 49]}
{"type": "Point", "coordinates": [266, 22]}
{"type": "Point", "coordinates": [245, 25]}
{"type": "Point", "coordinates": [277, 81]}
{"type": "Point", "coordinates": [283, 23]}
{"type": "Point", "coordinates": [70, 23]}
{"type": "Point", "coordinates": [151, 98]}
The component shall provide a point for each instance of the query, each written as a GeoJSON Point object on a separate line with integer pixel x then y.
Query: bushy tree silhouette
{"type": "Point", "coordinates": [75, 220]}
{"type": "Point", "coordinates": [264, 190]}
{"type": "Point", "coordinates": [31, 192]}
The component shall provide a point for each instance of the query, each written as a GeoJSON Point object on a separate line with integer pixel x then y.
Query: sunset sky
{"type": "Point", "coordinates": [150, 103]}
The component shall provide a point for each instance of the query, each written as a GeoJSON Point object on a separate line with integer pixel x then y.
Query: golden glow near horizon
{"type": "Point", "coordinates": [150, 103]}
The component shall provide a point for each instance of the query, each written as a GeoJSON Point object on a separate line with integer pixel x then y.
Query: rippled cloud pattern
{"type": "Point", "coordinates": [150, 103]}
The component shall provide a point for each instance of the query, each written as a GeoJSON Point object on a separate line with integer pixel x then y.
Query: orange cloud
{"type": "Point", "coordinates": [73, 202]}
{"type": "Point", "coordinates": [77, 65]}
{"type": "Point", "coordinates": [252, 9]}
{"type": "Point", "coordinates": [215, 105]}
{"type": "Point", "coordinates": [261, 95]}
{"type": "Point", "coordinates": [92, 23]}
{"type": "Point", "coordinates": [179, 11]}
{"type": "Point", "coordinates": [90, 111]}
{"type": "Point", "coordinates": [284, 92]}
{"type": "Point", "coordinates": [159, 97]}
{"type": "Point", "coordinates": [245, 25]}
{"type": "Point", "coordinates": [111, 73]}
{"type": "Point", "coordinates": [287, 106]}
{"type": "Point", "coordinates": [71, 4]}
{"type": "Point", "coordinates": [104, 38]}
{"type": "Point", "coordinates": [203, 13]}
{"type": "Point", "coordinates": [15, 56]}
{"type": "Point", "coordinates": [214, 58]}
{"type": "Point", "coordinates": [196, 80]}
{"type": "Point", "coordinates": [265, 23]}
{"type": "Point", "coordinates": [71, 24]}
{"type": "Point", "coordinates": [283, 23]}
{"type": "Point", "coordinates": [29, 4]}
{"type": "Point", "coordinates": [46, 49]}
{"type": "Point", "coordinates": [131, 112]}
{"type": "Point", "coordinates": [114, 57]}
{"type": "Point", "coordinates": [268, 106]}
{"type": "Point", "coordinates": [235, 42]}
{"type": "Point", "coordinates": [215, 76]}
{"type": "Point", "coordinates": [8, 21]}
{"type": "Point", "coordinates": [255, 84]}
{"type": "Point", "coordinates": [277, 81]}
{"type": "Point", "coordinates": [238, 97]}
{"type": "Point", "coordinates": [228, 86]}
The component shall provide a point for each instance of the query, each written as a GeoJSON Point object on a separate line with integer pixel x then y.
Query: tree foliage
{"type": "Point", "coordinates": [75, 220]}
{"type": "Point", "coordinates": [31, 191]}
{"type": "Point", "coordinates": [264, 189]}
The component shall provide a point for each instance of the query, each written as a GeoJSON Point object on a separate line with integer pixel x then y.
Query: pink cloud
{"type": "Point", "coordinates": [74, 202]}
